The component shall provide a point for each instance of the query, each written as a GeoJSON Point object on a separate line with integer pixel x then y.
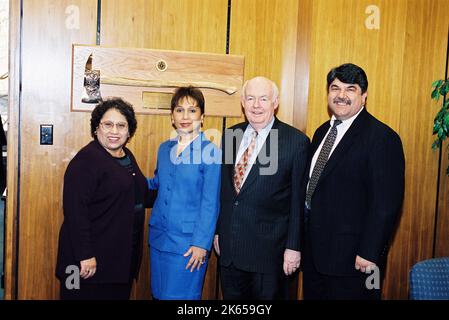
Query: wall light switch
{"type": "Point", "coordinates": [46, 134]}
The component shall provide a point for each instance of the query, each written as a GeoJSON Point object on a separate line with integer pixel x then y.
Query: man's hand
{"type": "Point", "coordinates": [292, 260]}
{"type": "Point", "coordinates": [216, 245]}
{"type": "Point", "coordinates": [364, 265]}
{"type": "Point", "coordinates": [88, 268]}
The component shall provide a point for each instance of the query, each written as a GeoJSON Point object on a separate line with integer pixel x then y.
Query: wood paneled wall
{"type": "Point", "coordinates": [424, 61]}
{"type": "Point", "coordinates": [401, 59]}
{"type": "Point", "coordinates": [265, 31]}
{"type": "Point", "coordinates": [293, 42]}
{"type": "Point", "coordinates": [46, 73]}
{"type": "Point", "coordinates": [10, 232]}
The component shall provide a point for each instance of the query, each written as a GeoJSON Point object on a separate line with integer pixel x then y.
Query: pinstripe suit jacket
{"type": "Point", "coordinates": [257, 225]}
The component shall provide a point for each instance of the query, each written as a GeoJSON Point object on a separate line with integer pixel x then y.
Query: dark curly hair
{"type": "Point", "coordinates": [187, 92]}
{"type": "Point", "coordinates": [121, 106]}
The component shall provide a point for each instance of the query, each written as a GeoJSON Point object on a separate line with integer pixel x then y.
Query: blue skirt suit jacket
{"type": "Point", "coordinates": [187, 204]}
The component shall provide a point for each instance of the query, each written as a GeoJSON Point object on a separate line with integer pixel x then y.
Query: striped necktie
{"type": "Point", "coordinates": [321, 162]}
{"type": "Point", "coordinates": [240, 168]}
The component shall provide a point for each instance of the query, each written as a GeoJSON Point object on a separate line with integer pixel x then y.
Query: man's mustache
{"type": "Point", "coordinates": [342, 100]}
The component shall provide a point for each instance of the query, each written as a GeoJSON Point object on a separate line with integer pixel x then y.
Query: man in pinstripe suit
{"type": "Point", "coordinates": [262, 199]}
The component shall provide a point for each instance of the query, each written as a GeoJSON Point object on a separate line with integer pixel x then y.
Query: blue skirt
{"type": "Point", "coordinates": [170, 280]}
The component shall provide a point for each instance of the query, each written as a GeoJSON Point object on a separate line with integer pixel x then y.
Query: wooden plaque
{"type": "Point", "coordinates": [146, 78]}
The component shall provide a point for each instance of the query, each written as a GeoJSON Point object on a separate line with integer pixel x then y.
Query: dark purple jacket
{"type": "Point", "coordinates": [98, 203]}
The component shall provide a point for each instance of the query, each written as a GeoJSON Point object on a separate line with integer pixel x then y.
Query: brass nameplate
{"type": "Point", "coordinates": [156, 100]}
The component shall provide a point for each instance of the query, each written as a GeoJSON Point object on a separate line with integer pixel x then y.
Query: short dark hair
{"type": "Point", "coordinates": [187, 92]}
{"type": "Point", "coordinates": [348, 73]}
{"type": "Point", "coordinates": [121, 106]}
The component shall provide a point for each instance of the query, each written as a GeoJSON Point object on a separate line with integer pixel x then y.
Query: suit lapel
{"type": "Point", "coordinates": [255, 169]}
{"type": "Point", "coordinates": [319, 136]}
{"type": "Point", "coordinates": [345, 143]}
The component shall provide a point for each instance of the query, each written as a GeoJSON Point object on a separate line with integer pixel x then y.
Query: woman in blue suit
{"type": "Point", "coordinates": [183, 219]}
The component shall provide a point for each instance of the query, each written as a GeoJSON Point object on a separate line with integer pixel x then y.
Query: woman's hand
{"type": "Point", "coordinates": [197, 259]}
{"type": "Point", "coordinates": [88, 268]}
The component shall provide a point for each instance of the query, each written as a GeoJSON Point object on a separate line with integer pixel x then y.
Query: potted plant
{"type": "Point", "coordinates": [441, 121]}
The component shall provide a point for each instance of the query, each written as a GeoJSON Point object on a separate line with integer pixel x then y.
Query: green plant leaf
{"type": "Point", "coordinates": [435, 129]}
{"type": "Point", "coordinates": [435, 94]}
{"type": "Point", "coordinates": [446, 132]}
{"type": "Point", "coordinates": [446, 120]}
{"type": "Point", "coordinates": [441, 120]}
{"type": "Point", "coordinates": [445, 87]}
{"type": "Point", "coordinates": [439, 115]}
{"type": "Point", "coordinates": [436, 126]}
{"type": "Point", "coordinates": [437, 83]}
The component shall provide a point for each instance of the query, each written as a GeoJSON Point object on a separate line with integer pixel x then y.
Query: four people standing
{"type": "Point", "coordinates": [264, 188]}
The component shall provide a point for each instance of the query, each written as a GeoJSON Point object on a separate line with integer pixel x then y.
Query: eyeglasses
{"type": "Point", "coordinates": [109, 126]}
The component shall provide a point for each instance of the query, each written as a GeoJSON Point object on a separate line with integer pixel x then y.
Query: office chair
{"type": "Point", "coordinates": [429, 280]}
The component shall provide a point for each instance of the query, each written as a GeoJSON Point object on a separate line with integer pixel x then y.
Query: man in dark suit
{"type": "Point", "coordinates": [354, 195]}
{"type": "Point", "coordinates": [262, 199]}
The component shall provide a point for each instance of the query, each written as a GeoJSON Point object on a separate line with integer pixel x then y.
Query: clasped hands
{"type": "Point", "coordinates": [197, 259]}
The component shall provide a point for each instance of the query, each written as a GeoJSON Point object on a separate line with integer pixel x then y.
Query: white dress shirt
{"type": "Point", "coordinates": [246, 140]}
{"type": "Point", "coordinates": [341, 130]}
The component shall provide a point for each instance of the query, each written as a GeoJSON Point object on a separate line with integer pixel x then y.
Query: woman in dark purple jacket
{"type": "Point", "coordinates": [104, 199]}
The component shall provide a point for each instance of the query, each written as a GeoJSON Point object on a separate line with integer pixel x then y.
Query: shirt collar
{"type": "Point", "coordinates": [347, 122]}
{"type": "Point", "coordinates": [263, 133]}
{"type": "Point", "coordinates": [194, 144]}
